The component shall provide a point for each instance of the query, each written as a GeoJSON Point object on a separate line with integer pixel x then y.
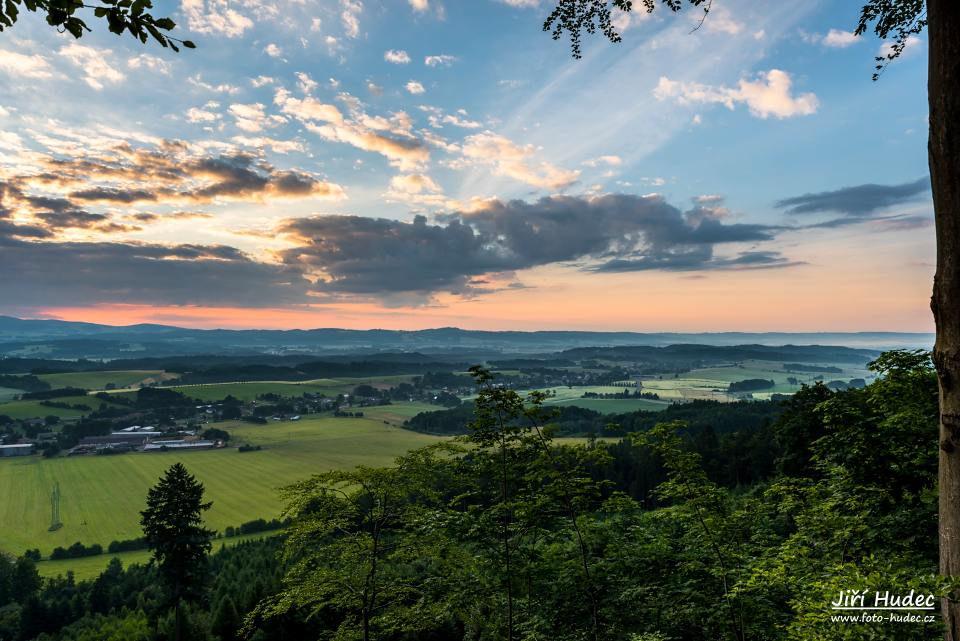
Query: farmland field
{"type": "Point", "coordinates": [574, 396]}
{"type": "Point", "coordinates": [99, 380]}
{"type": "Point", "coordinates": [397, 413]}
{"type": "Point", "coordinates": [250, 391]}
{"type": "Point", "coordinates": [89, 567]}
{"type": "Point", "coordinates": [699, 384]}
{"type": "Point", "coordinates": [7, 393]}
{"type": "Point", "coordinates": [34, 409]}
{"type": "Point", "coordinates": [102, 495]}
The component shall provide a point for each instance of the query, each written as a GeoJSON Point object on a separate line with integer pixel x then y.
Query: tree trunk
{"type": "Point", "coordinates": [177, 621]}
{"type": "Point", "coordinates": [944, 152]}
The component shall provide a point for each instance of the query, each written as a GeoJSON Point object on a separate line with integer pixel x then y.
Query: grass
{"type": "Point", "coordinates": [251, 390]}
{"type": "Point", "coordinates": [7, 393]}
{"type": "Point", "coordinates": [89, 567]}
{"type": "Point", "coordinates": [99, 380]}
{"type": "Point", "coordinates": [102, 495]}
{"type": "Point", "coordinates": [613, 405]}
{"type": "Point", "coordinates": [34, 409]}
{"type": "Point", "coordinates": [574, 397]}
{"type": "Point", "coordinates": [397, 413]}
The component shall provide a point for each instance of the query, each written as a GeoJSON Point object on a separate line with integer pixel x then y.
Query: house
{"type": "Point", "coordinates": [177, 444]}
{"type": "Point", "coordinates": [119, 439]}
{"type": "Point", "coordinates": [25, 449]}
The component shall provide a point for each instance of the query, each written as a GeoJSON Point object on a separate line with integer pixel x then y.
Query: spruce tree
{"type": "Point", "coordinates": [173, 527]}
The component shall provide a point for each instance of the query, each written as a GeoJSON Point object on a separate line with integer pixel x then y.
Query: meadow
{"type": "Point", "coordinates": [574, 396]}
{"type": "Point", "coordinates": [248, 391]}
{"type": "Point", "coordinates": [100, 380]}
{"type": "Point", "coordinates": [90, 567]}
{"type": "Point", "coordinates": [103, 495]}
{"type": "Point", "coordinates": [7, 393]}
{"type": "Point", "coordinates": [35, 409]}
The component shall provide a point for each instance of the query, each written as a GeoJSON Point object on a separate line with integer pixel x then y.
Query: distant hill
{"type": "Point", "coordinates": [54, 339]}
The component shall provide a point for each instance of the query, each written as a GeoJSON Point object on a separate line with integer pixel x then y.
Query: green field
{"type": "Point", "coordinates": [99, 380]}
{"type": "Point", "coordinates": [573, 396]}
{"type": "Point", "coordinates": [612, 405]}
{"type": "Point", "coordinates": [6, 393]}
{"type": "Point", "coordinates": [33, 409]}
{"type": "Point", "coordinates": [251, 390]}
{"type": "Point", "coordinates": [699, 384]}
{"type": "Point", "coordinates": [397, 413]}
{"type": "Point", "coordinates": [89, 567]}
{"type": "Point", "coordinates": [102, 495]}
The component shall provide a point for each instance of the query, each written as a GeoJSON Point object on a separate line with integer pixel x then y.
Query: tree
{"type": "Point", "coordinates": [173, 528]}
{"type": "Point", "coordinates": [121, 15]}
{"type": "Point", "coordinates": [529, 494]}
{"type": "Point", "coordinates": [351, 548]}
{"type": "Point", "coordinates": [897, 20]}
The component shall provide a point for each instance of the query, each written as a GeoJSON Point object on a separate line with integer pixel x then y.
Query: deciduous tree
{"type": "Point", "coordinates": [896, 20]}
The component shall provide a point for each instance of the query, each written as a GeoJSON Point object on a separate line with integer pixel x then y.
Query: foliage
{"type": "Point", "coordinates": [173, 527]}
{"type": "Point", "coordinates": [132, 16]}
{"type": "Point", "coordinates": [507, 534]}
{"type": "Point", "coordinates": [897, 20]}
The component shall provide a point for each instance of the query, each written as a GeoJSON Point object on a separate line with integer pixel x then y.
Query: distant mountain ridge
{"type": "Point", "coordinates": [45, 338]}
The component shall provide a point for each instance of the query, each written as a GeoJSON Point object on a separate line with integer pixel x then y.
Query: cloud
{"type": "Point", "coordinates": [441, 60]}
{"type": "Point", "coordinates": [274, 144]}
{"type": "Point", "coordinates": [721, 20]}
{"type": "Point", "coordinates": [152, 218]}
{"type": "Point", "coordinates": [417, 189]}
{"type": "Point", "coordinates": [911, 45]}
{"type": "Point", "coordinates": [397, 57]}
{"type": "Point", "coordinates": [437, 118]}
{"type": "Point", "coordinates": [170, 173]}
{"type": "Point", "coordinates": [215, 17]}
{"type": "Point", "coordinates": [414, 87]}
{"type": "Point", "coordinates": [146, 61]}
{"type": "Point", "coordinates": [305, 83]}
{"type": "Point", "coordinates": [93, 62]}
{"type": "Point", "coordinates": [381, 257]}
{"type": "Point", "coordinates": [611, 161]}
{"type": "Point", "coordinates": [196, 115]}
{"type": "Point", "coordinates": [253, 117]}
{"type": "Point", "coordinates": [858, 201]}
{"type": "Point", "coordinates": [21, 65]}
{"type": "Point", "coordinates": [839, 39]}
{"type": "Point", "coordinates": [273, 50]}
{"type": "Point", "coordinates": [419, 5]}
{"type": "Point", "coordinates": [82, 273]}
{"type": "Point", "coordinates": [389, 137]}
{"type": "Point", "coordinates": [306, 109]}
{"type": "Point", "coordinates": [510, 159]}
{"type": "Point", "coordinates": [350, 17]}
{"type": "Point", "coordinates": [768, 95]}
{"type": "Point", "coordinates": [226, 88]}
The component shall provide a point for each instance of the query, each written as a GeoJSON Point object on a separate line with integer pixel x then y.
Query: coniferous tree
{"type": "Point", "coordinates": [173, 527]}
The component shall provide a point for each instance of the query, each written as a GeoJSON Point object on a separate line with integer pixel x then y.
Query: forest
{"type": "Point", "coordinates": [704, 524]}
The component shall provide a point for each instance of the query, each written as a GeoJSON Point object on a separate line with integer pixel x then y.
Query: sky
{"type": "Point", "coordinates": [407, 164]}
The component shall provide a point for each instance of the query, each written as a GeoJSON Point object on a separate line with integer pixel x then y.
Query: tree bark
{"type": "Point", "coordinates": [178, 621]}
{"type": "Point", "coordinates": [943, 87]}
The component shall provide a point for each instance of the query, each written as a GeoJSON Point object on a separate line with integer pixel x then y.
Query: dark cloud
{"type": "Point", "coordinates": [150, 217]}
{"type": "Point", "coordinates": [699, 259]}
{"type": "Point", "coordinates": [113, 195]}
{"type": "Point", "coordinates": [622, 232]}
{"type": "Point", "coordinates": [237, 176]}
{"type": "Point", "coordinates": [54, 273]}
{"type": "Point", "coordinates": [858, 201]}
